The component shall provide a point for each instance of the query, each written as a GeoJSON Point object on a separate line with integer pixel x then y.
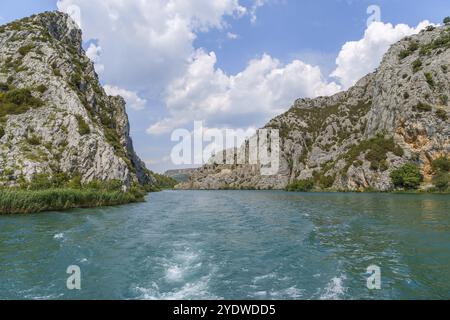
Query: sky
{"type": "Point", "coordinates": [232, 64]}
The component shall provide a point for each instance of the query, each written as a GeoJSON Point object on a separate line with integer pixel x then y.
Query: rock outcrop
{"type": "Point", "coordinates": [55, 117]}
{"type": "Point", "coordinates": [354, 140]}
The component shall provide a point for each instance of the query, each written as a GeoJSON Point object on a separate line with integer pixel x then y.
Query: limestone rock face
{"type": "Point", "coordinates": [353, 140]}
{"type": "Point", "coordinates": [54, 115]}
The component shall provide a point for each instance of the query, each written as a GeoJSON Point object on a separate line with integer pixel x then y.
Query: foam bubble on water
{"type": "Point", "coordinates": [185, 276]}
{"type": "Point", "coordinates": [291, 293]}
{"type": "Point", "coordinates": [174, 273]}
{"type": "Point", "coordinates": [288, 293]}
{"type": "Point", "coordinates": [58, 236]}
{"type": "Point", "coordinates": [264, 277]}
{"type": "Point", "coordinates": [197, 290]}
{"type": "Point", "coordinates": [334, 290]}
{"type": "Point", "coordinates": [181, 264]}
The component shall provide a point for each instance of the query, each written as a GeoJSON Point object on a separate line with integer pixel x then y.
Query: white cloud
{"type": "Point", "coordinates": [232, 36]}
{"type": "Point", "coordinates": [256, 5]}
{"type": "Point", "coordinates": [145, 44]}
{"type": "Point", "coordinates": [358, 58]}
{"type": "Point", "coordinates": [93, 53]}
{"type": "Point", "coordinates": [265, 88]}
{"type": "Point", "coordinates": [132, 99]}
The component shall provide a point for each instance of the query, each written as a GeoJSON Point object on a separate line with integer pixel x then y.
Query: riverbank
{"type": "Point", "coordinates": [34, 201]}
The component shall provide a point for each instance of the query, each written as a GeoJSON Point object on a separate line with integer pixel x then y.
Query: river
{"type": "Point", "coordinates": [233, 245]}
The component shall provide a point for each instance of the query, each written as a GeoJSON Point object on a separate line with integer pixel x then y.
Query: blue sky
{"type": "Point", "coordinates": [230, 63]}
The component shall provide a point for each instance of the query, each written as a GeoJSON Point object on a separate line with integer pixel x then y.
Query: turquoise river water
{"type": "Point", "coordinates": [233, 245]}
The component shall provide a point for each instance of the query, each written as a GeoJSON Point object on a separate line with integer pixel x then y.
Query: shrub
{"type": "Point", "coordinates": [83, 127]}
{"type": "Point", "coordinates": [423, 107]}
{"type": "Point", "coordinates": [326, 182]}
{"type": "Point", "coordinates": [376, 148]}
{"type": "Point", "coordinates": [34, 140]}
{"type": "Point", "coordinates": [163, 182]}
{"type": "Point", "coordinates": [413, 46]}
{"type": "Point", "coordinates": [21, 97]}
{"type": "Point", "coordinates": [2, 132]}
{"type": "Point", "coordinates": [75, 80]}
{"type": "Point", "coordinates": [75, 182]}
{"type": "Point", "coordinates": [17, 101]}
{"type": "Point", "coordinates": [429, 78]}
{"type": "Point", "coordinates": [24, 50]}
{"type": "Point", "coordinates": [441, 181]}
{"type": "Point", "coordinates": [442, 114]}
{"type": "Point", "coordinates": [403, 54]}
{"type": "Point", "coordinates": [441, 164]}
{"type": "Point", "coordinates": [406, 95]}
{"type": "Point", "coordinates": [41, 88]}
{"type": "Point", "coordinates": [4, 87]}
{"type": "Point", "coordinates": [416, 65]}
{"type": "Point", "coordinates": [110, 185]}
{"type": "Point", "coordinates": [301, 186]}
{"type": "Point", "coordinates": [446, 20]}
{"type": "Point", "coordinates": [408, 176]}
{"type": "Point", "coordinates": [57, 72]}
{"type": "Point", "coordinates": [40, 182]}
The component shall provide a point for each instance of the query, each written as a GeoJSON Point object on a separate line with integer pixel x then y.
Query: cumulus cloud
{"type": "Point", "coordinates": [145, 44]}
{"type": "Point", "coordinates": [148, 47]}
{"type": "Point", "coordinates": [265, 88]}
{"type": "Point", "coordinates": [132, 98]}
{"type": "Point", "coordinates": [93, 52]}
{"type": "Point", "coordinates": [256, 5]}
{"type": "Point", "coordinates": [358, 58]}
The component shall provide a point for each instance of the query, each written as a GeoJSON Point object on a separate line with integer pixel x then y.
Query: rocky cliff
{"type": "Point", "coordinates": [355, 139]}
{"type": "Point", "coordinates": [55, 118]}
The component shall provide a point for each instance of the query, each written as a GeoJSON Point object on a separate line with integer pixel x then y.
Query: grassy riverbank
{"type": "Point", "coordinates": [33, 201]}
{"type": "Point", "coordinates": [60, 192]}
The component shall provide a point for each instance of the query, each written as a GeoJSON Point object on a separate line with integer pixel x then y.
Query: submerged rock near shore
{"type": "Point", "coordinates": [55, 117]}
{"type": "Point", "coordinates": [354, 140]}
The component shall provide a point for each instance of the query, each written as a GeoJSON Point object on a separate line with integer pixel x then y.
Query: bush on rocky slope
{"type": "Point", "coordinates": [407, 177]}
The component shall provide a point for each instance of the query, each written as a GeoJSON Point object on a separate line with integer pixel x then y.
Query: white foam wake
{"type": "Point", "coordinates": [334, 290]}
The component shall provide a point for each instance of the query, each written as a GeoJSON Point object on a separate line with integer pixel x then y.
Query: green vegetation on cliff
{"type": "Point", "coordinates": [441, 178]}
{"type": "Point", "coordinates": [16, 101]}
{"type": "Point", "coordinates": [301, 186]}
{"type": "Point", "coordinates": [407, 177]}
{"type": "Point", "coordinates": [375, 151]}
